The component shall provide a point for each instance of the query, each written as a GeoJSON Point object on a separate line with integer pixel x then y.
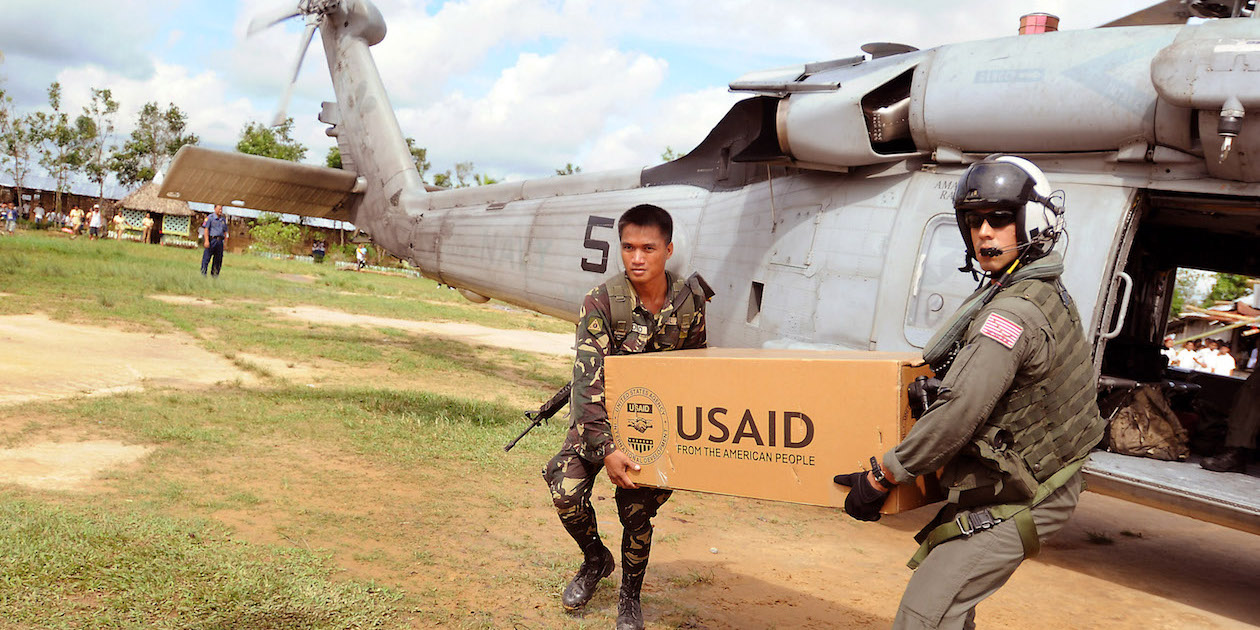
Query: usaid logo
{"type": "Point", "coordinates": [640, 428]}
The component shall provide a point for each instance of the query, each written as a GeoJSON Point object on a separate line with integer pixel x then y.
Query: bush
{"type": "Point", "coordinates": [273, 235]}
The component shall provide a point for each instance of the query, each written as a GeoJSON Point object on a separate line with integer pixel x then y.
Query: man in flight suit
{"type": "Point", "coordinates": [1015, 414]}
{"type": "Point", "coordinates": [1244, 425]}
{"type": "Point", "coordinates": [646, 309]}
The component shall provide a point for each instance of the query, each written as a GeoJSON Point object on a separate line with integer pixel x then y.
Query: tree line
{"type": "Point", "coordinates": [1226, 287]}
{"type": "Point", "coordinates": [68, 145]}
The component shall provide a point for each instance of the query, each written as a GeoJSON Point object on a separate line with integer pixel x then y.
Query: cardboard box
{"type": "Point", "coordinates": [766, 424]}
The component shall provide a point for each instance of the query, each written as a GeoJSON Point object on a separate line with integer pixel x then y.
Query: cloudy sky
{"type": "Point", "coordinates": [519, 87]}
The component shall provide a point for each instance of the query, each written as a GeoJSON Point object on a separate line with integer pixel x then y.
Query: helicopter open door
{"type": "Point", "coordinates": [1123, 246]}
{"type": "Point", "coordinates": [1167, 231]}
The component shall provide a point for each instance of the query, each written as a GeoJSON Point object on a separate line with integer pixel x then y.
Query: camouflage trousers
{"type": "Point", "coordinates": [570, 479]}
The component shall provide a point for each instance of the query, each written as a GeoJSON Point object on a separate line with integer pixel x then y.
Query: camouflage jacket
{"type": "Point", "coordinates": [594, 342]}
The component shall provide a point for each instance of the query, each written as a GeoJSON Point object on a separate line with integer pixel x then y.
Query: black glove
{"type": "Point", "coordinates": [864, 500]}
{"type": "Point", "coordinates": [922, 393]}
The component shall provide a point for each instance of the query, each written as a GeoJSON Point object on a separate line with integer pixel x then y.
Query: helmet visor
{"type": "Point", "coordinates": [993, 185]}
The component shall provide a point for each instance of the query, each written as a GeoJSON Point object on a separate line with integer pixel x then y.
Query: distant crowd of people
{"type": "Point", "coordinates": [72, 222]}
{"type": "Point", "coordinates": [1207, 355]}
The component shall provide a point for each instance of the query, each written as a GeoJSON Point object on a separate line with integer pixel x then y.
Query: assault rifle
{"type": "Point", "coordinates": [547, 410]}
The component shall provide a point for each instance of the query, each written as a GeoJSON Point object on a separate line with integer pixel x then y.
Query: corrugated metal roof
{"type": "Point", "coordinates": [46, 183]}
{"type": "Point", "coordinates": [248, 213]}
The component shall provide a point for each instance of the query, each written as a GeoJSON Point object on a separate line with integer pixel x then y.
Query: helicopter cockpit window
{"type": "Point", "coordinates": [937, 288]}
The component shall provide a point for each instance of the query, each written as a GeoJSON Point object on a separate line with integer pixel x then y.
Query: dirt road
{"type": "Point", "coordinates": [718, 562]}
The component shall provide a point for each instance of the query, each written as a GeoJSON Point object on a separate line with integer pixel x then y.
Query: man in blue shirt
{"type": "Point", "coordinates": [216, 232]}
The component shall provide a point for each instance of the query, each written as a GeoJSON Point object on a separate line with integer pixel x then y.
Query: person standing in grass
{"type": "Point", "coordinates": [120, 224]}
{"type": "Point", "coordinates": [147, 225]}
{"type": "Point", "coordinates": [76, 221]}
{"type": "Point", "coordinates": [95, 223]}
{"type": "Point", "coordinates": [317, 250]}
{"type": "Point", "coordinates": [10, 217]}
{"type": "Point", "coordinates": [215, 230]}
{"type": "Point", "coordinates": [360, 256]}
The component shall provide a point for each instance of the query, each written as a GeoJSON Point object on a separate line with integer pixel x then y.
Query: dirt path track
{"type": "Point", "coordinates": [45, 359]}
{"type": "Point", "coordinates": [776, 565]}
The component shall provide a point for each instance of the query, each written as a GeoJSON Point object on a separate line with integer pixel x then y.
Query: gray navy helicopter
{"type": "Point", "coordinates": [819, 208]}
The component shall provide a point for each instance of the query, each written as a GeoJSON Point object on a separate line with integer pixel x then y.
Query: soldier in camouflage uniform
{"type": "Point", "coordinates": [661, 313]}
{"type": "Point", "coordinates": [1015, 415]}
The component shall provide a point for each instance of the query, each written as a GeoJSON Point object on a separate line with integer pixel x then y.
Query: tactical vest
{"type": "Point", "coordinates": [627, 338]}
{"type": "Point", "coordinates": [1036, 430]}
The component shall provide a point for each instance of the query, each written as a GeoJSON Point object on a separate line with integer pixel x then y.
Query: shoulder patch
{"type": "Point", "coordinates": [1002, 330]}
{"type": "Point", "coordinates": [595, 326]}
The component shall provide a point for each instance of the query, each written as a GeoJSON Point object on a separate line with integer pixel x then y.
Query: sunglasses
{"type": "Point", "coordinates": [997, 219]}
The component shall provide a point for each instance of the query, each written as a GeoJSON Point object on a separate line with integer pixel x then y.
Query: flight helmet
{"type": "Point", "coordinates": [1006, 182]}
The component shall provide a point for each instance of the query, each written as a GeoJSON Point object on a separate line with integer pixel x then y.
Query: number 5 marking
{"type": "Point", "coordinates": [595, 244]}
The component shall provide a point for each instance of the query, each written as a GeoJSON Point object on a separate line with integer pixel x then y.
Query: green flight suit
{"type": "Point", "coordinates": [1009, 345]}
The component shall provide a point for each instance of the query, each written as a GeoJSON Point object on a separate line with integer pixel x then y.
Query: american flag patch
{"type": "Point", "coordinates": [1004, 331]}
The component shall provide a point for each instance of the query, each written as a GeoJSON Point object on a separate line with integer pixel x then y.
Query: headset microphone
{"type": "Point", "coordinates": [994, 252]}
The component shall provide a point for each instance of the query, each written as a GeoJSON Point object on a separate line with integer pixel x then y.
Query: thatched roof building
{"type": "Point", "coordinates": [172, 218]}
{"type": "Point", "coordinates": [146, 198]}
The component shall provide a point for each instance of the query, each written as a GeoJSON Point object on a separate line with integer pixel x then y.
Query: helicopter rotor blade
{"type": "Point", "coordinates": [272, 17]}
{"type": "Point", "coordinates": [1165, 12]}
{"type": "Point", "coordinates": [312, 22]}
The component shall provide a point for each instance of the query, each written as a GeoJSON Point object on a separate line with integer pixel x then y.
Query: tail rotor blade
{"type": "Point", "coordinates": [312, 22]}
{"type": "Point", "coordinates": [271, 17]}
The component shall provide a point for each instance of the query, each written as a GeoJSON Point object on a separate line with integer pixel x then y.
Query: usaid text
{"type": "Point", "coordinates": [788, 429]}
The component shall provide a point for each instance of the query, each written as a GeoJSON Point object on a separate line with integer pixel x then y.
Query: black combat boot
{"type": "Point", "coordinates": [1232, 459]}
{"type": "Point", "coordinates": [582, 587]}
{"type": "Point", "coordinates": [629, 611]}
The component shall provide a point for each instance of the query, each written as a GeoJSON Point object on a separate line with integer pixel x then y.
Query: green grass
{"type": "Point", "coordinates": [73, 566]}
{"type": "Point", "coordinates": [254, 496]}
{"type": "Point", "coordinates": [104, 280]}
{"type": "Point", "coordinates": [133, 563]}
{"type": "Point", "coordinates": [390, 426]}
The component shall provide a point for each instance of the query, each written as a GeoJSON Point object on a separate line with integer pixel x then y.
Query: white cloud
{"type": "Point", "coordinates": [816, 29]}
{"type": "Point", "coordinates": [422, 52]}
{"type": "Point", "coordinates": [212, 115]}
{"type": "Point", "coordinates": [261, 66]}
{"type": "Point", "coordinates": [518, 86]}
{"type": "Point", "coordinates": [679, 123]}
{"type": "Point", "coordinates": [566, 96]}
{"type": "Point", "coordinates": [539, 113]}
{"type": "Point", "coordinates": [108, 33]}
